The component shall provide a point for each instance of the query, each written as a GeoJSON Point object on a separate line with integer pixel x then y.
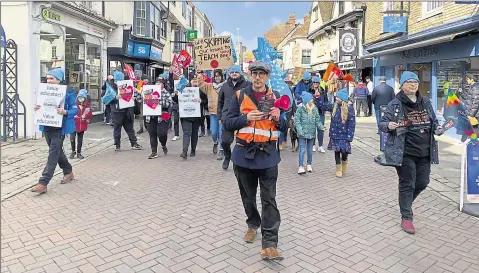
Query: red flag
{"type": "Point", "coordinates": [184, 59]}
{"type": "Point", "coordinates": [129, 72]}
{"type": "Point", "coordinates": [175, 66]}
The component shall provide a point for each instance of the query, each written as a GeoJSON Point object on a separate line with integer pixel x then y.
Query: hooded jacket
{"type": "Point", "coordinates": [300, 88]}
{"type": "Point", "coordinates": [227, 91]}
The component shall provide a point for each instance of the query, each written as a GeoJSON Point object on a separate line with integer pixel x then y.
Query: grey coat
{"type": "Point", "coordinates": [471, 100]}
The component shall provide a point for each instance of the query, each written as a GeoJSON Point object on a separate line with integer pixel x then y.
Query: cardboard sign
{"type": "Point", "coordinates": [151, 100]}
{"type": "Point", "coordinates": [127, 94]}
{"type": "Point", "coordinates": [189, 102]}
{"type": "Point", "coordinates": [213, 53]}
{"type": "Point", "coordinates": [50, 97]}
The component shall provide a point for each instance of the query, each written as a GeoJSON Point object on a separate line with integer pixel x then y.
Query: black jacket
{"type": "Point", "coordinates": [227, 91]}
{"type": "Point", "coordinates": [383, 94]}
{"type": "Point", "coordinates": [471, 100]}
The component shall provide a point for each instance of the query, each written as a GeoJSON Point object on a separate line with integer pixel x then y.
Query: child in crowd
{"type": "Point", "coordinates": [341, 131]}
{"type": "Point", "coordinates": [308, 122]}
{"type": "Point", "coordinates": [81, 123]}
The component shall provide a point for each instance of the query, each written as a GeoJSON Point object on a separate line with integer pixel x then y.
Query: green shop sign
{"type": "Point", "coordinates": [50, 15]}
{"type": "Point", "coordinates": [192, 35]}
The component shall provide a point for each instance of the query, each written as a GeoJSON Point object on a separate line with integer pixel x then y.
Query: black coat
{"type": "Point", "coordinates": [383, 94]}
{"type": "Point", "coordinates": [471, 100]}
{"type": "Point", "coordinates": [227, 91]}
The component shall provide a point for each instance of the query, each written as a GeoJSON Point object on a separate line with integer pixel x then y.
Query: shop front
{"type": "Point", "coordinates": [143, 54]}
{"type": "Point", "coordinates": [77, 43]}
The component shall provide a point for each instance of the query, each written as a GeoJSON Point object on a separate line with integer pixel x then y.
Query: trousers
{"type": "Point", "coordinates": [227, 137]}
{"type": "Point", "coordinates": [190, 134]}
{"type": "Point", "coordinates": [73, 137]}
{"type": "Point", "coordinates": [120, 119]}
{"type": "Point", "coordinates": [157, 131]}
{"type": "Point", "coordinates": [56, 155]}
{"type": "Point", "coordinates": [270, 219]}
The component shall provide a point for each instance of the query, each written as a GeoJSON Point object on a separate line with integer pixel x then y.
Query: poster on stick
{"type": "Point", "coordinates": [189, 102]}
{"type": "Point", "coordinates": [50, 97]}
{"type": "Point", "coordinates": [127, 94]}
{"type": "Point", "coordinates": [213, 53]}
{"type": "Point", "coordinates": [151, 100]}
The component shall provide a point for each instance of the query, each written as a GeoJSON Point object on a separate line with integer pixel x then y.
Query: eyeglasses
{"type": "Point", "coordinates": [260, 74]}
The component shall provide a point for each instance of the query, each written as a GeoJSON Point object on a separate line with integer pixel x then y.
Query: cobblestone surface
{"type": "Point", "coordinates": [125, 213]}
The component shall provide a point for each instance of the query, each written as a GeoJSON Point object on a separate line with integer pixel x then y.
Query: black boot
{"type": "Point", "coordinates": [226, 163]}
{"type": "Point", "coordinates": [193, 153]}
{"type": "Point", "coordinates": [72, 155]}
{"type": "Point", "coordinates": [184, 155]}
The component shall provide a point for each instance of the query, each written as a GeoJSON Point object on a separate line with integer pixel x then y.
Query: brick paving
{"type": "Point", "coordinates": [125, 213]}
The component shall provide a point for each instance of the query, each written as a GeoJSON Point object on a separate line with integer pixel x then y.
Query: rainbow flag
{"type": "Point", "coordinates": [456, 111]}
{"type": "Point", "coordinates": [452, 99]}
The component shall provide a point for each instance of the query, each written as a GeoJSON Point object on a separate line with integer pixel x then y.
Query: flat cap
{"type": "Point", "coordinates": [260, 65]}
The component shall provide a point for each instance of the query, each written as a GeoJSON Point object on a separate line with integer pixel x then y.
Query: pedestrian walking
{"type": "Point", "coordinates": [191, 127]}
{"type": "Point", "coordinates": [382, 95]}
{"type": "Point", "coordinates": [370, 86]}
{"type": "Point", "coordinates": [107, 121]}
{"type": "Point", "coordinates": [341, 130]}
{"type": "Point", "coordinates": [123, 117]}
{"type": "Point", "coordinates": [411, 148]}
{"type": "Point", "coordinates": [360, 95]}
{"type": "Point", "coordinates": [157, 126]}
{"type": "Point", "coordinates": [55, 136]}
{"type": "Point", "coordinates": [256, 157]}
{"type": "Point", "coordinates": [212, 90]}
{"type": "Point", "coordinates": [303, 86]}
{"type": "Point", "coordinates": [307, 122]}
{"type": "Point", "coordinates": [319, 90]}
{"type": "Point", "coordinates": [82, 118]}
{"type": "Point", "coordinates": [235, 82]}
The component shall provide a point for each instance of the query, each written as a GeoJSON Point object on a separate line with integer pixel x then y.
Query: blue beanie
{"type": "Point", "coordinates": [343, 94]}
{"type": "Point", "coordinates": [408, 75]}
{"type": "Point", "coordinates": [316, 79]}
{"type": "Point", "coordinates": [306, 97]}
{"type": "Point", "coordinates": [306, 76]}
{"type": "Point", "coordinates": [235, 68]}
{"type": "Point", "coordinates": [83, 93]}
{"type": "Point", "coordinates": [58, 73]}
{"type": "Point", "coordinates": [118, 76]}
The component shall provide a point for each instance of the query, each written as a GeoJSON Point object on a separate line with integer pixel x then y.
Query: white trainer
{"type": "Point", "coordinates": [301, 170]}
{"type": "Point", "coordinates": [175, 138]}
{"type": "Point", "coordinates": [309, 169]}
{"type": "Point", "coordinates": [314, 148]}
{"type": "Point", "coordinates": [321, 150]}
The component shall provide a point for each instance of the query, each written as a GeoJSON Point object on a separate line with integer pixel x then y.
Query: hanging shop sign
{"type": "Point", "coordinates": [348, 43]}
{"type": "Point", "coordinates": [155, 53]}
{"type": "Point", "coordinates": [50, 15]}
{"type": "Point", "coordinates": [191, 35]}
{"type": "Point", "coordinates": [392, 24]}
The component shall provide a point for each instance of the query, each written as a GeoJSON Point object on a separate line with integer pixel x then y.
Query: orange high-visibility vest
{"type": "Point", "coordinates": [257, 131]}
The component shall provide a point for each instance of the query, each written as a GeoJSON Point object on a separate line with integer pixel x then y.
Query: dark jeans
{"type": "Point", "coordinates": [270, 219]}
{"type": "Point", "coordinates": [73, 137]}
{"type": "Point", "coordinates": [413, 179]}
{"type": "Point", "coordinates": [120, 119]}
{"type": "Point", "coordinates": [361, 104]}
{"type": "Point", "coordinates": [338, 156]}
{"type": "Point", "coordinates": [107, 113]}
{"type": "Point", "coordinates": [190, 133]}
{"type": "Point", "coordinates": [175, 119]}
{"type": "Point", "coordinates": [56, 155]}
{"type": "Point", "coordinates": [370, 105]}
{"type": "Point", "coordinates": [322, 118]}
{"type": "Point", "coordinates": [157, 131]}
{"type": "Point", "coordinates": [227, 138]}
{"type": "Point", "coordinates": [203, 118]}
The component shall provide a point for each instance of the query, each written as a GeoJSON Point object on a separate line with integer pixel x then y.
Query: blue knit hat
{"type": "Point", "coordinates": [58, 73]}
{"type": "Point", "coordinates": [306, 76]}
{"type": "Point", "coordinates": [306, 97]}
{"type": "Point", "coordinates": [235, 68]}
{"type": "Point", "coordinates": [118, 76]}
{"type": "Point", "coordinates": [343, 94]}
{"type": "Point", "coordinates": [408, 75]}
{"type": "Point", "coordinates": [316, 79]}
{"type": "Point", "coordinates": [83, 93]}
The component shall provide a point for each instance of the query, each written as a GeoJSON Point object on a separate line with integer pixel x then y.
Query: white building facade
{"type": "Point", "coordinates": [71, 35]}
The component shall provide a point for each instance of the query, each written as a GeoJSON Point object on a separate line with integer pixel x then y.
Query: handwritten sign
{"type": "Point", "coordinates": [189, 102]}
{"type": "Point", "coordinates": [126, 92]}
{"type": "Point", "coordinates": [151, 100]}
{"type": "Point", "coordinates": [50, 97]}
{"type": "Point", "coordinates": [213, 53]}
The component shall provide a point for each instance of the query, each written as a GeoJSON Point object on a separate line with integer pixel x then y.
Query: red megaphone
{"type": "Point", "coordinates": [283, 102]}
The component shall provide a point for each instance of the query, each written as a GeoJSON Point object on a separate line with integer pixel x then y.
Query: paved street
{"type": "Point", "coordinates": [125, 213]}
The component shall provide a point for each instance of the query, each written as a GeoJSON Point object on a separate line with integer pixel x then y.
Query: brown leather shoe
{"type": "Point", "coordinates": [39, 188]}
{"type": "Point", "coordinates": [250, 235]}
{"type": "Point", "coordinates": [271, 254]}
{"type": "Point", "coordinates": [67, 178]}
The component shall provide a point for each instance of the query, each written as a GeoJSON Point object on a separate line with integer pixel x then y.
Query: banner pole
{"type": "Point", "coordinates": [463, 176]}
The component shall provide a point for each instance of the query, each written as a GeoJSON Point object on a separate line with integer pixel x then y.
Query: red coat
{"type": "Point", "coordinates": [81, 123]}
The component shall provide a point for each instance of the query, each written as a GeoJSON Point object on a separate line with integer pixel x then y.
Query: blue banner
{"type": "Point", "coordinates": [233, 52]}
{"type": "Point", "coordinates": [155, 53]}
{"type": "Point", "coordinates": [3, 42]}
{"type": "Point", "coordinates": [394, 24]}
{"type": "Point", "coordinates": [141, 50]}
{"type": "Point", "coordinates": [255, 54]}
{"type": "Point", "coordinates": [265, 50]}
{"type": "Point", "coordinates": [129, 47]}
{"type": "Point", "coordinates": [472, 169]}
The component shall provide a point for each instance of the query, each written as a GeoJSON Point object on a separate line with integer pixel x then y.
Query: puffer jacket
{"type": "Point", "coordinates": [394, 148]}
{"type": "Point", "coordinates": [307, 125]}
{"type": "Point", "coordinates": [471, 100]}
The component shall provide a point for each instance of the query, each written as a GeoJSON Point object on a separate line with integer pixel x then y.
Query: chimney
{"type": "Point", "coordinates": [291, 20]}
{"type": "Point", "coordinates": [307, 19]}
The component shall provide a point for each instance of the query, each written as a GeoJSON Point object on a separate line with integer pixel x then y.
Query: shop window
{"type": "Point", "coordinates": [52, 48]}
{"type": "Point", "coordinates": [183, 9]}
{"type": "Point", "coordinates": [87, 4]}
{"type": "Point", "coordinates": [190, 17]}
{"type": "Point", "coordinates": [306, 56]}
{"type": "Point", "coordinates": [140, 18]}
{"type": "Point", "coordinates": [388, 6]}
{"type": "Point", "coordinates": [341, 7]}
{"type": "Point", "coordinates": [315, 14]}
{"type": "Point", "coordinates": [431, 8]}
{"type": "Point", "coordinates": [164, 28]}
{"type": "Point", "coordinates": [93, 75]}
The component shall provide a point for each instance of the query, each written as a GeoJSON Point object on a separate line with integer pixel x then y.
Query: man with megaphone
{"type": "Point", "coordinates": [256, 112]}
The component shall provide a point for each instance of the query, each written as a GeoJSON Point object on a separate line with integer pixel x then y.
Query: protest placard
{"type": "Point", "coordinates": [50, 97]}
{"type": "Point", "coordinates": [127, 94]}
{"type": "Point", "coordinates": [189, 102]}
{"type": "Point", "coordinates": [213, 53]}
{"type": "Point", "coordinates": [151, 100]}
